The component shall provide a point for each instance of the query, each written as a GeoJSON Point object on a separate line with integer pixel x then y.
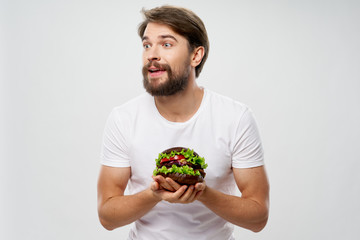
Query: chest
{"type": "Point", "coordinates": [212, 143]}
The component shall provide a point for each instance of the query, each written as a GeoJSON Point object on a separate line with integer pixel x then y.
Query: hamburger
{"type": "Point", "coordinates": [182, 165]}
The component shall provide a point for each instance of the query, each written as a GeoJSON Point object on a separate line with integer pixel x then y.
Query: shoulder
{"type": "Point", "coordinates": [221, 104]}
{"type": "Point", "coordinates": [133, 106]}
{"type": "Point", "coordinates": [127, 112]}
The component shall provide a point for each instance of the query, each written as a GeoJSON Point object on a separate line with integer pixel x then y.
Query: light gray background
{"type": "Point", "coordinates": [66, 64]}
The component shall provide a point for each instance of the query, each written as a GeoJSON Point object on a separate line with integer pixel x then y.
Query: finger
{"type": "Point", "coordinates": [154, 186]}
{"type": "Point", "coordinates": [157, 178]}
{"type": "Point", "coordinates": [198, 195]}
{"type": "Point", "coordinates": [173, 184]}
{"type": "Point", "coordinates": [199, 187]}
{"type": "Point", "coordinates": [163, 183]}
{"type": "Point", "coordinates": [188, 195]}
{"type": "Point", "coordinates": [177, 195]}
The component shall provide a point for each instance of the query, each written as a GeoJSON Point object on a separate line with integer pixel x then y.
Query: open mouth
{"type": "Point", "coordinates": [154, 72]}
{"type": "Point", "coordinates": [155, 69]}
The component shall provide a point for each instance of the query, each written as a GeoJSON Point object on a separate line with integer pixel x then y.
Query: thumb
{"type": "Point", "coordinates": [154, 186]}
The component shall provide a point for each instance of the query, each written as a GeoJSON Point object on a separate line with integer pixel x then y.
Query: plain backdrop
{"type": "Point", "coordinates": [66, 64]}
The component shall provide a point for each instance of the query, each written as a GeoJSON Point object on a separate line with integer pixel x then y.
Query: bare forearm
{"type": "Point", "coordinates": [122, 210]}
{"type": "Point", "coordinates": [243, 212]}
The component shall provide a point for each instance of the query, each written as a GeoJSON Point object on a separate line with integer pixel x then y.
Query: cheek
{"type": "Point", "coordinates": [144, 59]}
{"type": "Point", "coordinates": [179, 61]}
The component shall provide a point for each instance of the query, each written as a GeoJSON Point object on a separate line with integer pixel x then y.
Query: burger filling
{"type": "Point", "coordinates": [183, 162]}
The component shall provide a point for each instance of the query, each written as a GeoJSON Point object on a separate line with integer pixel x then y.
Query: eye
{"type": "Point", "coordinates": [146, 45]}
{"type": "Point", "coordinates": [167, 45]}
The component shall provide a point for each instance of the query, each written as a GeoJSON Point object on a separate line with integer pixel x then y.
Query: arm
{"type": "Point", "coordinates": [249, 211]}
{"type": "Point", "coordinates": [115, 209]}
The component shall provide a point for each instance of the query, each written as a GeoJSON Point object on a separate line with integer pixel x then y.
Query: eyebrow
{"type": "Point", "coordinates": [145, 38]}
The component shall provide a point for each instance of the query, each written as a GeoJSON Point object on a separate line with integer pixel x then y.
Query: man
{"type": "Point", "coordinates": [177, 112]}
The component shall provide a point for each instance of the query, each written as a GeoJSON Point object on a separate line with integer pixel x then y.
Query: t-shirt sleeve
{"type": "Point", "coordinates": [114, 151]}
{"type": "Point", "coordinates": [247, 149]}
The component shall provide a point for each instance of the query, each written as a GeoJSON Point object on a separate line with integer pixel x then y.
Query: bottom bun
{"type": "Point", "coordinates": [183, 179]}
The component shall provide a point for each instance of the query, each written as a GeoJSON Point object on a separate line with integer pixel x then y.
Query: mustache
{"type": "Point", "coordinates": [164, 67]}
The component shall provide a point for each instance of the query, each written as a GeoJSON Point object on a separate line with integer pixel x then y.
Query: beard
{"type": "Point", "coordinates": [175, 83]}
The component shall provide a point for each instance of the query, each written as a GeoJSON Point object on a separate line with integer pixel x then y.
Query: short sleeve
{"type": "Point", "coordinates": [247, 149]}
{"type": "Point", "coordinates": [114, 151]}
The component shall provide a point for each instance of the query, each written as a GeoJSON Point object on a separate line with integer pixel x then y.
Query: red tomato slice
{"type": "Point", "coordinates": [176, 157]}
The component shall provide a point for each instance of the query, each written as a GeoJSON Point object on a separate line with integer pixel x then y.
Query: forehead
{"type": "Point", "coordinates": [158, 30]}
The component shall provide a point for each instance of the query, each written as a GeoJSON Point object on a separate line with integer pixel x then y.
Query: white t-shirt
{"type": "Point", "coordinates": [223, 131]}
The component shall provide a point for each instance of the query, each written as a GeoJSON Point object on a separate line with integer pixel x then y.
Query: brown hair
{"type": "Point", "coordinates": [182, 21]}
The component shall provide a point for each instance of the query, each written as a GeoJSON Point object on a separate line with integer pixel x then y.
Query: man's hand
{"type": "Point", "coordinates": [169, 190]}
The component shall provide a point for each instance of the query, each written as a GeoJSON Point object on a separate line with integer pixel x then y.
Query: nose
{"type": "Point", "coordinates": [152, 54]}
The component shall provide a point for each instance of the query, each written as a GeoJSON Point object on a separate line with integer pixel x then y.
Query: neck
{"type": "Point", "coordinates": [181, 106]}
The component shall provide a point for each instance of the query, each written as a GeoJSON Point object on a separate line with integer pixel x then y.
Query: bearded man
{"type": "Point", "coordinates": [175, 111]}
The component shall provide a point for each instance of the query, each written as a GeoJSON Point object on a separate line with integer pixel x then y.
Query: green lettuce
{"type": "Point", "coordinates": [175, 169]}
{"type": "Point", "coordinates": [188, 154]}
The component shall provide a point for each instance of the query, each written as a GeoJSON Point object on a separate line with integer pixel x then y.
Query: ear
{"type": "Point", "coordinates": [197, 56]}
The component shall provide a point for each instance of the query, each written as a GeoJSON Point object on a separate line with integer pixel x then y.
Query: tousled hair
{"type": "Point", "coordinates": [183, 22]}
